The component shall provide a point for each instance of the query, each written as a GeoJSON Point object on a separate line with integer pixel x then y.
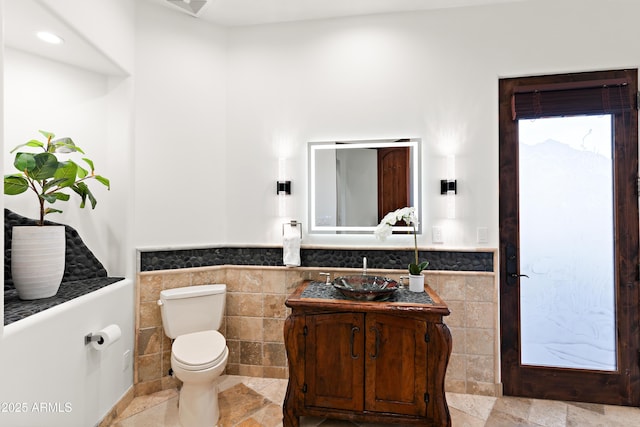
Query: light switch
{"type": "Point", "coordinates": [436, 234]}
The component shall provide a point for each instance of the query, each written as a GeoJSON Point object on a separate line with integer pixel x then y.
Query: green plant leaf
{"type": "Point", "coordinates": [24, 161]}
{"type": "Point", "coordinates": [90, 163]}
{"type": "Point", "coordinates": [65, 145]}
{"type": "Point", "coordinates": [82, 172]}
{"type": "Point", "coordinates": [45, 167]}
{"type": "Point", "coordinates": [14, 184]}
{"type": "Point", "coordinates": [32, 143]}
{"type": "Point", "coordinates": [52, 197]}
{"type": "Point", "coordinates": [92, 199]}
{"type": "Point", "coordinates": [84, 192]}
{"type": "Point", "coordinates": [66, 173]}
{"type": "Point", "coordinates": [51, 210]}
{"type": "Point", "coordinates": [52, 183]}
{"type": "Point", "coordinates": [47, 135]}
{"type": "Point", "coordinates": [417, 268]}
{"type": "Point", "coordinates": [104, 181]}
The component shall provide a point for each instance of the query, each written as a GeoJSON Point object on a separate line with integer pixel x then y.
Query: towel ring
{"type": "Point", "coordinates": [292, 224]}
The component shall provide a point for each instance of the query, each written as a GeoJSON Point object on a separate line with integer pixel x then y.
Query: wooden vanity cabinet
{"type": "Point", "coordinates": [366, 361]}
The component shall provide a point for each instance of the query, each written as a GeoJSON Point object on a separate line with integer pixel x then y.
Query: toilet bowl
{"type": "Point", "coordinates": [199, 352]}
{"type": "Point", "coordinates": [198, 359]}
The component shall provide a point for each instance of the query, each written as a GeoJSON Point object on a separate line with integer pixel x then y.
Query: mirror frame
{"type": "Point", "coordinates": [413, 143]}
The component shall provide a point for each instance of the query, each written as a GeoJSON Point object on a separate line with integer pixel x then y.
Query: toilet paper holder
{"type": "Point", "coordinates": [104, 338]}
{"type": "Point", "coordinates": [89, 338]}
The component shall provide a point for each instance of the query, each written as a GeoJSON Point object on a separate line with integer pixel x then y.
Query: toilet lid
{"type": "Point", "coordinates": [199, 350]}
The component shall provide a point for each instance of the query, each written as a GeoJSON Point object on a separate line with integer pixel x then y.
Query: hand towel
{"type": "Point", "coordinates": [291, 247]}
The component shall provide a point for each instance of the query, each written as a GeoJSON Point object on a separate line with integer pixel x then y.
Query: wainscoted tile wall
{"type": "Point", "coordinates": [472, 299]}
{"type": "Point", "coordinates": [255, 314]}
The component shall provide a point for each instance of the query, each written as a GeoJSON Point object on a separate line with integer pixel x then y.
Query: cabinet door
{"type": "Point", "coordinates": [334, 362]}
{"type": "Point", "coordinates": [396, 365]}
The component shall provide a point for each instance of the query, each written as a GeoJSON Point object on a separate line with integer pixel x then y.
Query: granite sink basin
{"type": "Point", "coordinates": [366, 288]}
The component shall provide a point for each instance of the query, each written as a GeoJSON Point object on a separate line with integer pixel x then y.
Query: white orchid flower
{"type": "Point", "coordinates": [384, 230]}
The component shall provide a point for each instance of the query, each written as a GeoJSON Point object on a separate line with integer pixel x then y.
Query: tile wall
{"type": "Point", "coordinates": [255, 314]}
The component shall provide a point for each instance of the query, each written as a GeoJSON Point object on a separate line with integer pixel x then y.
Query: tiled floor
{"type": "Point", "coordinates": [257, 402]}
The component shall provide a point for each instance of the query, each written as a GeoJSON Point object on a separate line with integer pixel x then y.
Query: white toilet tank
{"type": "Point", "coordinates": [192, 309]}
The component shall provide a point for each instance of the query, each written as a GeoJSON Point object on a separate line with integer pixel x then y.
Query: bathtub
{"type": "Point", "coordinates": [49, 377]}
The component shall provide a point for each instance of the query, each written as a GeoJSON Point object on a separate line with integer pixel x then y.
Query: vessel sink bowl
{"type": "Point", "coordinates": [366, 288]}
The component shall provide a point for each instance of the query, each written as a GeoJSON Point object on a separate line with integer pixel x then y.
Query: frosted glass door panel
{"type": "Point", "coordinates": [566, 243]}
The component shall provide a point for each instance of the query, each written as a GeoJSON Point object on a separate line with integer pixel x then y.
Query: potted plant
{"type": "Point", "coordinates": [384, 230]}
{"type": "Point", "coordinates": [37, 252]}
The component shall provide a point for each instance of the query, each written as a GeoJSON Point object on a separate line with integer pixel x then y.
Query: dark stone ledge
{"type": "Point", "coordinates": [16, 309]}
{"type": "Point", "coordinates": [336, 258]}
{"type": "Point", "coordinates": [83, 272]}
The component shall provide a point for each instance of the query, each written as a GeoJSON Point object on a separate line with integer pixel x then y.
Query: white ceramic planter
{"type": "Point", "coordinates": [37, 260]}
{"type": "Point", "coordinates": [416, 283]}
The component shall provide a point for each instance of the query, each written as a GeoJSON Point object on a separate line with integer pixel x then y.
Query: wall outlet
{"type": "Point", "coordinates": [482, 235]}
{"type": "Point", "coordinates": [436, 235]}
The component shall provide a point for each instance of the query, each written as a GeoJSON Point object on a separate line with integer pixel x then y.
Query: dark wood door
{"type": "Point", "coordinates": [334, 368]}
{"type": "Point", "coordinates": [396, 365]}
{"type": "Point", "coordinates": [620, 382]}
{"type": "Point", "coordinates": [393, 179]}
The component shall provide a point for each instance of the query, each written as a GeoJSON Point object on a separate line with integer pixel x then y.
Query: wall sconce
{"type": "Point", "coordinates": [448, 186]}
{"type": "Point", "coordinates": [283, 188]}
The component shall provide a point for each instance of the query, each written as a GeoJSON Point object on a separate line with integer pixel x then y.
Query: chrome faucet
{"type": "Point", "coordinates": [364, 266]}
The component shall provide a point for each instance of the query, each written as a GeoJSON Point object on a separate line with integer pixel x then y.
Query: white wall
{"type": "Point", "coordinates": [432, 75]}
{"type": "Point", "coordinates": [44, 361]}
{"type": "Point", "coordinates": [181, 173]}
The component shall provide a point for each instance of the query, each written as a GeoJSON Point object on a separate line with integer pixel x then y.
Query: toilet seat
{"type": "Point", "coordinates": [199, 350]}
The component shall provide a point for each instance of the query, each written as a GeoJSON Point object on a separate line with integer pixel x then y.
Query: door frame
{"type": "Point", "coordinates": [621, 387]}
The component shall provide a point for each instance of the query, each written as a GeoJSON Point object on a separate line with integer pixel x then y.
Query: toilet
{"type": "Point", "coordinates": [192, 316]}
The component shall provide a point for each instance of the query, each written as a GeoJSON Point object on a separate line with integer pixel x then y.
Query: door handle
{"type": "Point", "coordinates": [512, 279]}
{"type": "Point", "coordinates": [354, 330]}
{"type": "Point", "coordinates": [511, 255]}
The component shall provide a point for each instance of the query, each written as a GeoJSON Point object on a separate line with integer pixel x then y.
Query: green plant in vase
{"type": "Point", "coordinates": [38, 252]}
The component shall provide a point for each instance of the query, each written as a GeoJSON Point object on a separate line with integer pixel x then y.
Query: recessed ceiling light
{"type": "Point", "coordinates": [48, 37]}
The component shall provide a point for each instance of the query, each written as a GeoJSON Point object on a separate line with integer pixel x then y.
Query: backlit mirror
{"type": "Point", "coordinates": [353, 184]}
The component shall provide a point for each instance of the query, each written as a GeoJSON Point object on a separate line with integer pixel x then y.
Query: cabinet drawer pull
{"type": "Point", "coordinates": [377, 333]}
{"type": "Point", "coordinates": [353, 336]}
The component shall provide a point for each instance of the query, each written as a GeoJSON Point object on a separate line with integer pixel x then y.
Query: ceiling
{"type": "Point", "coordinates": [23, 18]}
{"type": "Point", "coordinates": [253, 12]}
